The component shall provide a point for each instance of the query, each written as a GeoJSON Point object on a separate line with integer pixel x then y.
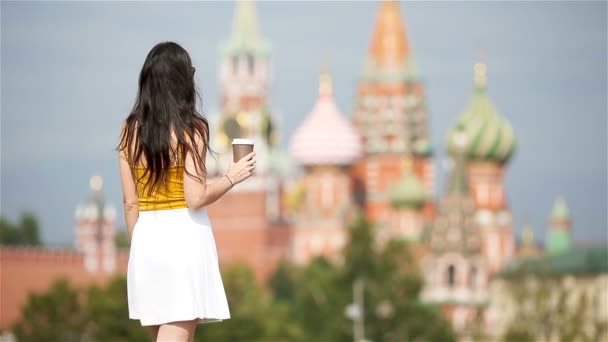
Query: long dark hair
{"type": "Point", "coordinates": [165, 104]}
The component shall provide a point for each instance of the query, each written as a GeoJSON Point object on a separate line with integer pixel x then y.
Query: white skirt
{"type": "Point", "coordinates": [173, 273]}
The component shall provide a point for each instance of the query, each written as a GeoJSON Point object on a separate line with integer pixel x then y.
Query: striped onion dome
{"type": "Point", "coordinates": [489, 136]}
{"type": "Point", "coordinates": [409, 192]}
{"type": "Point", "coordinates": [325, 137]}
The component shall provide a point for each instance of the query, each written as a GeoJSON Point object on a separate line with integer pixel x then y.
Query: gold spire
{"type": "Point", "coordinates": [480, 68]}
{"type": "Point", "coordinates": [325, 84]}
{"type": "Point", "coordinates": [480, 75]}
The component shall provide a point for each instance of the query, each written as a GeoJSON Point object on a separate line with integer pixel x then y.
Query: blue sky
{"type": "Point", "coordinates": [69, 73]}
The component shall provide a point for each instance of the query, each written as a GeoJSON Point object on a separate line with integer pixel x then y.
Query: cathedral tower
{"type": "Point", "coordinates": [490, 145]}
{"type": "Point", "coordinates": [325, 145]}
{"type": "Point", "coordinates": [455, 269]}
{"type": "Point", "coordinates": [244, 81]}
{"type": "Point", "coordinates": [559, 236]}
{"type": "Point", "coordinates": [390, 114]}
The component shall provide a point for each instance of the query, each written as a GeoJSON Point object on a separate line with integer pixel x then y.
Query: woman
{"type": "Point", "coordinates": [173, 280]}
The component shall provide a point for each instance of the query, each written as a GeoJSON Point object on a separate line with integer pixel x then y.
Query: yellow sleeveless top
{"type": "Point", "coordinates": [169, 197]}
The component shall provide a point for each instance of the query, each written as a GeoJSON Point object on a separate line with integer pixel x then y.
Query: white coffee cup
{"type": "Point", "coordinates": [241, 148]}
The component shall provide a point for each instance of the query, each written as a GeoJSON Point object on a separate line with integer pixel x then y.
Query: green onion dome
{"type": "Point", "coordinates": [409, 192]}
{"type": "Point", "coordinates": [489, 136]}
{"type": "Point", "coordinates": [422, 147]}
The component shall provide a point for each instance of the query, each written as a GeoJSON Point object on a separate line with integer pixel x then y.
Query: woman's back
{"type": "Point", "coordinates": [173, 277]}
{"type": "Point", "coordinates": [169, 196]}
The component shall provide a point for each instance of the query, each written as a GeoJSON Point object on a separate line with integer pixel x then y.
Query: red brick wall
{"type": "Point", "coordinates": [28, 269]}
{"type": "Point", "coordinates": [244, 235]}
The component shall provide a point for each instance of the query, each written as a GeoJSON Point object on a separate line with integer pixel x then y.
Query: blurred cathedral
{"type": "Point", "coordinates": [301, 201]}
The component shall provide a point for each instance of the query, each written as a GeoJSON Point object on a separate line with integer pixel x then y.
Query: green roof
{"type": "Point", "coordinates": [558, 241]}
{"type": "Point", "coordinates": [489, 136]}
{"type": "Point", "coordinates": [576, 261]}
{"type": "Point", "coordinates": [409, 192]}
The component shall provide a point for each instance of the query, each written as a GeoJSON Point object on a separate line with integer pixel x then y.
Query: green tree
{"type": "Point", "coordinates": [547, 310]}
{"type": "Point", "coordinates": [30, 230]}
{"type": "Point", "coordinates": [392, 284]}
{"type": "Point", "coordinates": [281, 283]}
{"type": "Point", "coordinates": [26, 232]}
{"type": "Point", "coordinates": [359, 253]}
{"type": "Point", "coordinates": [9, 233]}
{"type": "Point", "coordinates": [320, 300]}
{"type": "Point", "coordinates": [122, 239]}
{"type": "Point", "coordinates": [56, 315]}
{"type": "Point", "coordinates": [254, 315]}
{"type": "Point", "coordinates": [107, 314]}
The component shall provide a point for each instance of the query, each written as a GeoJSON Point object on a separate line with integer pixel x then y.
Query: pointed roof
{"type": "Point", "coordinates": [458, 181]}
{"type": "Point", "coordinates": [245, 36]}
{"type": "Point", "coordinates": [455, 229]}
{"type": "Point", "coordinates": [559, 238]}
{"type": "Point", "coordinates": [390, 58]}
{"type": "Point", "coordinates": [560, 210]}
{"type": "Point", "coordinates": [389, 46]}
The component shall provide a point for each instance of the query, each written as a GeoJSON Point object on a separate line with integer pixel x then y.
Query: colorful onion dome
{"type": "Point", "coordinates": [409, 192]}
{"type": "Point", "coordinates": [489, 136]}
{"type": "Point", "coordinates": [325, 137]}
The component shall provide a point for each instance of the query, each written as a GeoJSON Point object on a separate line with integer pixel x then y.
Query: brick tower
{"type": "Point", "coordinates": [244, 220]}
{"type": "Point", "coordinates": [96, 230]}
{"type": "Point", "coordinates": [391, 116]}
{"type": "Point", "coordinates": [490, 145]}
{"type": "Point", "coordinates": [325, 145]}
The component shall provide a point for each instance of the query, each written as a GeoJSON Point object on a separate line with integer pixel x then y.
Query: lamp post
{"type": "Point", "coordinates": [355, 311]}
{"type": "Point", "coordinates": [96, 184]}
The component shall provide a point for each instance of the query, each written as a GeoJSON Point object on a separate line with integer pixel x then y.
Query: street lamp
{"type": "Point", "coordinates": [355, 311]}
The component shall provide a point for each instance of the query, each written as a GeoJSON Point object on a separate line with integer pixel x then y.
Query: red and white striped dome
{"type": "Point", "coordinates": [325, 137]}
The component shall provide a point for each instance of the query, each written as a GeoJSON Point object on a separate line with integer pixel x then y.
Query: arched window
{"type": "Point", "coordinates": [451, 275]}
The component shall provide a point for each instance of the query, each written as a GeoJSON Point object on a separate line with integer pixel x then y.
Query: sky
{"type": "Point", "coordinates": [68, 73]}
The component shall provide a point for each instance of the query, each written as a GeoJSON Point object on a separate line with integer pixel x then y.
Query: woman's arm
{"type": "Point", "coordinates": [200, 194]}
{"type": "Point", "coordinates": [130, 200]}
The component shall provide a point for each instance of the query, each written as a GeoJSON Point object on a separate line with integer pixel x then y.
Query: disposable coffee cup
{"type": "Point", "coordinates": [241, 148]}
